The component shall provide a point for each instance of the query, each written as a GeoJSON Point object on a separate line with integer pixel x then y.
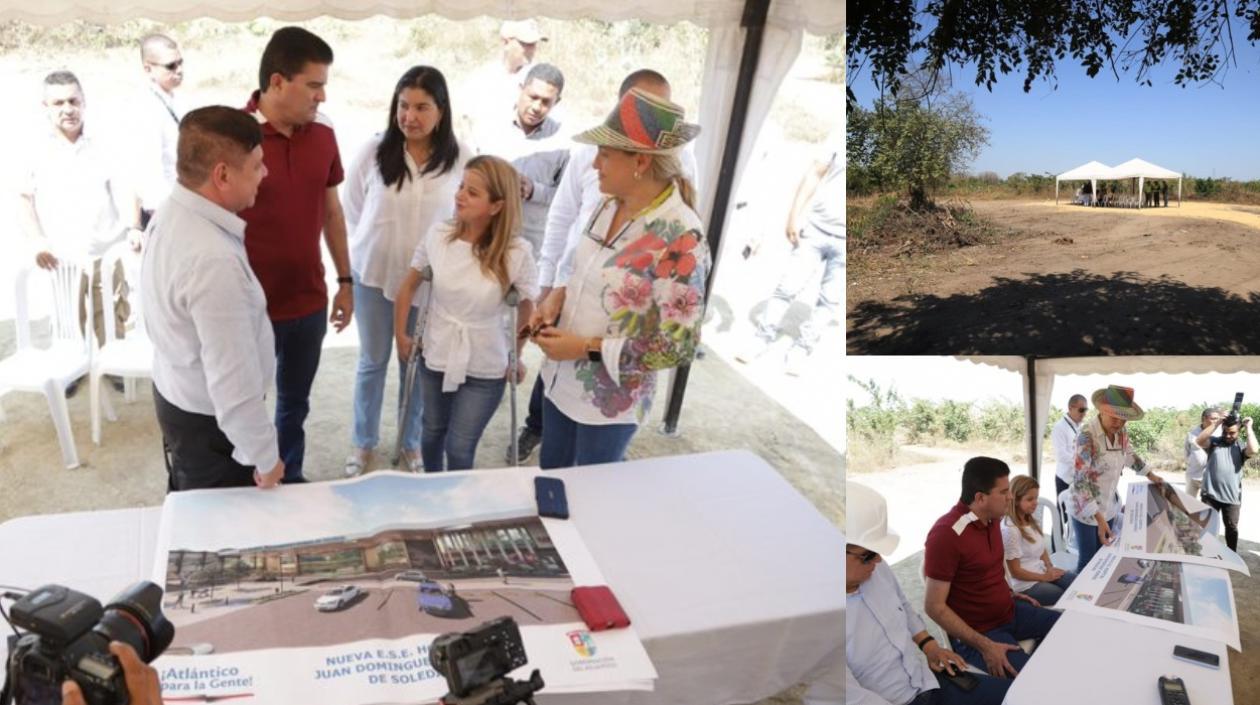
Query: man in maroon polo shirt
{"type": "Point", "coordinates": [967, 593]}
{"type": "Point", "coordinates": [296, 202]}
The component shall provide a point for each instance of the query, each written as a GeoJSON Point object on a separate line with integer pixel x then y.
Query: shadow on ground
{"type": "Point", "coordinates": [1060, 314]}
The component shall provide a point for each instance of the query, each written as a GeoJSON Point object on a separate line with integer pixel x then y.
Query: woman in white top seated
{"type": "Point", "coordinates": [1027, 560]}
{"type": "Point", "coordinates": [400, 184]}
{"type": "Point", "coordinates": [476, 258]}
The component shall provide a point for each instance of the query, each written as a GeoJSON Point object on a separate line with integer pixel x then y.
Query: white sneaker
{"type": "Point", "coordinates": [796, 361]}
{"type": "Point", "coordinates": [357, 461]}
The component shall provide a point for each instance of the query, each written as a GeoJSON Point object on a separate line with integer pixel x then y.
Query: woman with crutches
{"type": "Point", "coordinates": [399, 185]}
{"type": "Point", "coordinates": [476, 259]}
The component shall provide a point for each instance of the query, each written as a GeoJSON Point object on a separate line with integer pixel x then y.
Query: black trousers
{"type": "Point", "coordinates": [198, 453]}
{"type": "Point", "coordinates": [1229, 515]}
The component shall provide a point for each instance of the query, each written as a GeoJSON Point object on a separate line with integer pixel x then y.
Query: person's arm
{"type": "Point", "coordinates": [566, 202]}
{"type": "Point", "coordinates": [335, 239]}
{"type": "Point", "coordinates": [525, 279]}
{"type": "Point", "coordinates": [1252, 444]}
{"type": "Point", "coordinates": [994, 653]}
{"type": "Point", "coordinates": [354, 190]}
{"type": "Point", "coordinates": [1204, 439]}
{"type": "Point", "coordinates": [28, 219]}
{"type": "Point", "coordinates": [1012, 550]}
{"type": "Point", "coordinates": [217, 292]}
{"type": "Point", "coordinates": [544, 192]}
{"type": "Point", "coordinates": [127, 204]}
{"type": "Point", "coordinates": [1064, 445]}
{"type": "Point", "coordinates": [804, 192]}
{"type": "Point", "coordinates": [402, 309]}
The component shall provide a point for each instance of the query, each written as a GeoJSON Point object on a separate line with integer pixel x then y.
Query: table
{"type": "Point", "coordinates": [734, 581]}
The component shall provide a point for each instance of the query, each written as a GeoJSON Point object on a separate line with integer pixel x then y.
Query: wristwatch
{"type": "Point", "coordinates": [594, 350]}
{"type": "Point", "coordinates": [345, 280]}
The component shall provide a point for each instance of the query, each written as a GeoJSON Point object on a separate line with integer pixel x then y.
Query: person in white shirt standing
{"type": "Point", "coordinates": [1063, 441]}
{"type": "Point", "coordinates": [214, 351]}
{"type": "Point", "coordinates": [476, 258]}
{"type": "Point", "coordinates": [400, 184]}
{"type": "Point", "coordinates": [157, 133]}
{"type": "Point", "coordinates": [1196, 457]}
{"type": "Point", "coordinates": [493, 86]}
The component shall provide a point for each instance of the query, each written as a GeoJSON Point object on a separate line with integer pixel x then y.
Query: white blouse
{"type": "Point", "coordinates": [385, 223]}
{"type": "Point", "coordinates": [466, 333]}
{"type": "Point", "coordinates": [1016, 546]}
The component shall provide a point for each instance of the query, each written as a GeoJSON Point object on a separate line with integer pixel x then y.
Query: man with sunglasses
{"type": "Point", "coordinates": [890, 657]}
{"type": "Point", "coordinates": [1063, 440]}
{"type": "Point", "coordinates": [157, 133]}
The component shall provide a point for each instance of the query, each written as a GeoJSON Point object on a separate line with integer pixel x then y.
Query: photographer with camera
{"type": "Point", "coordinates": [143, 686]}
{"type": "Point", "coordinates": [1222, 474]}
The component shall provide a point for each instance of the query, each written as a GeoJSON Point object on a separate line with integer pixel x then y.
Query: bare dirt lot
{"type": "Point", "coordinates": [1068, 280]}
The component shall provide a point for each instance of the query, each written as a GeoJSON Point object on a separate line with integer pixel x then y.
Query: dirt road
{"type": "Point", "coordinates": [1070, 281]}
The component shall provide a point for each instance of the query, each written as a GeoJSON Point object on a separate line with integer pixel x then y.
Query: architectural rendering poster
{"type": "Point", "coordinates": [1180, 597]}
{"type": "Point", "coordinates": [1162, 522]}
{"type": "Point", "coordinates": [333, 592]}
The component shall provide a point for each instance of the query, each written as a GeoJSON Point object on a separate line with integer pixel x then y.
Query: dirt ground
{"type": "Point", "coordinates": [1069, 280]}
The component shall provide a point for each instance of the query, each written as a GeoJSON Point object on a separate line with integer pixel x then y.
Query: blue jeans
{"type": "Point", "coordinates": [566, 442]}
{"type": "Point", "coordinates": [991, 691]}
{"type": "Point", "coordinates": [298, 344]}
{"type": "Point", "coordinates": [814, 246]}
{"type": "Point", "coordinates": [454, 421]}
{"type": "Point", "coordinates": [1049, 593]}
{"type": "Point", "coordinates": [1087, 543]}
{"type": "Point", "coordinates": [374, 315]}
{"type": "Point", "coordinates": [1029, 623]}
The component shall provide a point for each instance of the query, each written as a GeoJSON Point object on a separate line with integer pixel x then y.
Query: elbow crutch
{"type": "Point", "coordinates": [409, 377]}
{"type": "Point", "coordinates": [513, 300]}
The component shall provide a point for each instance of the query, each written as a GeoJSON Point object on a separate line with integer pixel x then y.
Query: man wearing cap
{"type": "Point", "coordinates": [493, 87]}
{"type": "Point", "coordinates": [890, 658]}
{"type": "Point", "coordinates": [1222, 474]}
{"type": "Point", "coordinates": [1063, 441]}
{"type": "Point", "coordinates": [967, 592]}
{"type": "Point", "coordinates": [1196, 457]}
{"type": "Point", "coordinates": [1102, 452]}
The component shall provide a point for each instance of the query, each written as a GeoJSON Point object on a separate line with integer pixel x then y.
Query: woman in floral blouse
{"type": "Point", "coordinates": [1102, 452]}
{"type": "Point", "coordinates": [634, 302]}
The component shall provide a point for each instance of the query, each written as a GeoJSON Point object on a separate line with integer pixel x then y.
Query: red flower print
{"type": "Point", "coordinates": [678, 260]}
{"type": "Point", "coordinates": [640, 254]}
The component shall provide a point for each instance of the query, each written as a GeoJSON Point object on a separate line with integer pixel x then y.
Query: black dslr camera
{"type": "Point", "coordinates": [1232, 418]}
{"type": "Point", "coordinates": [68, 635]}
{"type": "Point", "coordinates": [476, 665]}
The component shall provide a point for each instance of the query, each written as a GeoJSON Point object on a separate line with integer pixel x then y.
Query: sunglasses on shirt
{"type": "Point", "coordinates": [864, 557]}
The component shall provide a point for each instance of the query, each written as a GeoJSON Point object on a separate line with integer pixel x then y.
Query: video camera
{"type": "Point", "coordinates": [68, 635]}
{"type": "Point", "coordinates": [1232, 418]}
{"type": "Point", "coordinates": [476, 664]}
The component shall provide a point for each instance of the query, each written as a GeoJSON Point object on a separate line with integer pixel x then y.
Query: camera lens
{"type": "Point", "coordinates": [135, 617]}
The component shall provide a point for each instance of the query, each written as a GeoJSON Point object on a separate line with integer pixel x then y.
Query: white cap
{"type": "Point", "coordinates": [866, 520]}
{"type": "Point", "coordinates": [524, 31]}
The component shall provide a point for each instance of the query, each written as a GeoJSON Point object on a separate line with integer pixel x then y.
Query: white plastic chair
{"type": "Point", "coordinates": [69, 353]}
{"type": "Point", "coordinates": [130, 357]}
{"type": "Point", "coordinates": [1062, 547]}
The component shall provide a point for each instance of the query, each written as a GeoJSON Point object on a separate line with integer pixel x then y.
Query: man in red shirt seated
{"type": "Point", "coordinates": [967, 593]}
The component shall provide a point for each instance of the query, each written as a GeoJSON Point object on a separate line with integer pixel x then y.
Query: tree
{"type": "Point", "coordinates": [1000, 36]}
{"type": "Point", "coordinates": [914, 146]}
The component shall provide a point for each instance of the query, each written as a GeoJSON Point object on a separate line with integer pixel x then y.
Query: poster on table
{"type": "Point", "coordinates": [1164, 523]}
{"type": "Point", "coordinates": [1181, 597]}
{"type": "Point", "coordinates": [334, 591]}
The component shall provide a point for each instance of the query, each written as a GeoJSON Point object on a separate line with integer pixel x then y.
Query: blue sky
{"type": "Point", "coordinates": [1199, 130]}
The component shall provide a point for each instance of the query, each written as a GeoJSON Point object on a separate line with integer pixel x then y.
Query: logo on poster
{"type": "Point", "coordinates": [582, 643]}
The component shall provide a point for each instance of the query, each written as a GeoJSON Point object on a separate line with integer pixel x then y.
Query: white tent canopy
{"type": "Point", "coordinates": [1135, 168]}
{"type": "Point", "coordinates": [1039, 377]}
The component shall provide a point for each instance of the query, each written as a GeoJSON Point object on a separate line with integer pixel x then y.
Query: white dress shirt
{"type": "Point", "coordinates": [575, 200]}
{"type": "Point", "coordinates": [1063, 440]}
{"type": "Point", "coordinates": [384, 223]}
{"type": "Point", "coordinates": [1196, 457]}
{"type": "Point", "coordinates": [74, 186]}
{"type": "Point", "coordinates": [213, 349]}
{"type": "Point", "coordinates": [882, 664]}
{"type": "Point", "coordinates": [465, 333]}
{"type": "Point", "coordinates": [157, 139]}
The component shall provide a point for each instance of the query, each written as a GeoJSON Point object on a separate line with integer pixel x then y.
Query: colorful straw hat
{"type": "Point", "coordinates": [1118, 402]}
{"type": "Point", "coordinates": [644, 123]}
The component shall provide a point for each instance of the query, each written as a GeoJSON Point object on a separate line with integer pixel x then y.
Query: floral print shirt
{"type": "Point", "coordinates": [644, 295]}
{"type": "Point", "coordinates": [1099, 462]}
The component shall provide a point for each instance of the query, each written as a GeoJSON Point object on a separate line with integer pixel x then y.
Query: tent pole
{"type": "Point", "coordinates": [754, 21]}
{"type": "Point", "coordinates": [1178, 191]}
{"type": "Point", "coordinates": [1030, 379]}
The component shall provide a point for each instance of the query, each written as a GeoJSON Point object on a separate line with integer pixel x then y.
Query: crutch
{"type": "Point", "coordinates": [513, 300]}
{"type": "Point", "coordinates": [409, 378]}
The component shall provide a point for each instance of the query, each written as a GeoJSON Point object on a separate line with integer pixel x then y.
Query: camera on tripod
{"type": "Point", "coordinates": [68, 636]}
{"type": "Point", "coordinates": [476, 664]}
{"type": "Point", "coordinates": [1232, 418]}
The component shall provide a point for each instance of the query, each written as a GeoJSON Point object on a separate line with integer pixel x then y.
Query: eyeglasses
{"type": "Point", "coordinates": [172, 66]}
{"type": "Point", "coordinates": [1080, 410]}
{"type": "Point", "coordinates": [864, 557]}
{"type": "Point", "coordinates": [602, 238]}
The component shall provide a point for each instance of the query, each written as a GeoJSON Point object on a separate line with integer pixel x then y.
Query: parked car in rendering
{"type": "Point", "coordinates": [412, 575]}
{"type": "Point", "coordinates": [338, 597]}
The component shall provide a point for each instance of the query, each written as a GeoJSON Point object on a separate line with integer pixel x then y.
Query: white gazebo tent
{"type": "Point", "coordinates": [752, 45]}
{"type": "Point", "coordinates": [1039, 376]}
{"type": "Point", "coordinates": [1090, 171]}
{"type": "Point", "coordinates": [1143, 170]}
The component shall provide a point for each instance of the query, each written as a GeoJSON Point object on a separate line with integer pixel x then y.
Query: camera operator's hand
{"type": "Point", "coordinates": [1247, 423]}
{"type": "Point", "coordinates": [143, 686]}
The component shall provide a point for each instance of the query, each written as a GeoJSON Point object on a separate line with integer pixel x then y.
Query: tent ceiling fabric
{"type": "Point", "coordinates": [815, 16]}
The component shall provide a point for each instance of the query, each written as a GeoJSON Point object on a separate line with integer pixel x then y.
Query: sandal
{"type": "Point", "coordinates": [411, 462]}
{"type": "Point", "coordinates": [357, 462]}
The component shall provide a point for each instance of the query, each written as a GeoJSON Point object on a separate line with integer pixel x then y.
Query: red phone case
{"type": "Point", "coordinates": [599, 608]}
